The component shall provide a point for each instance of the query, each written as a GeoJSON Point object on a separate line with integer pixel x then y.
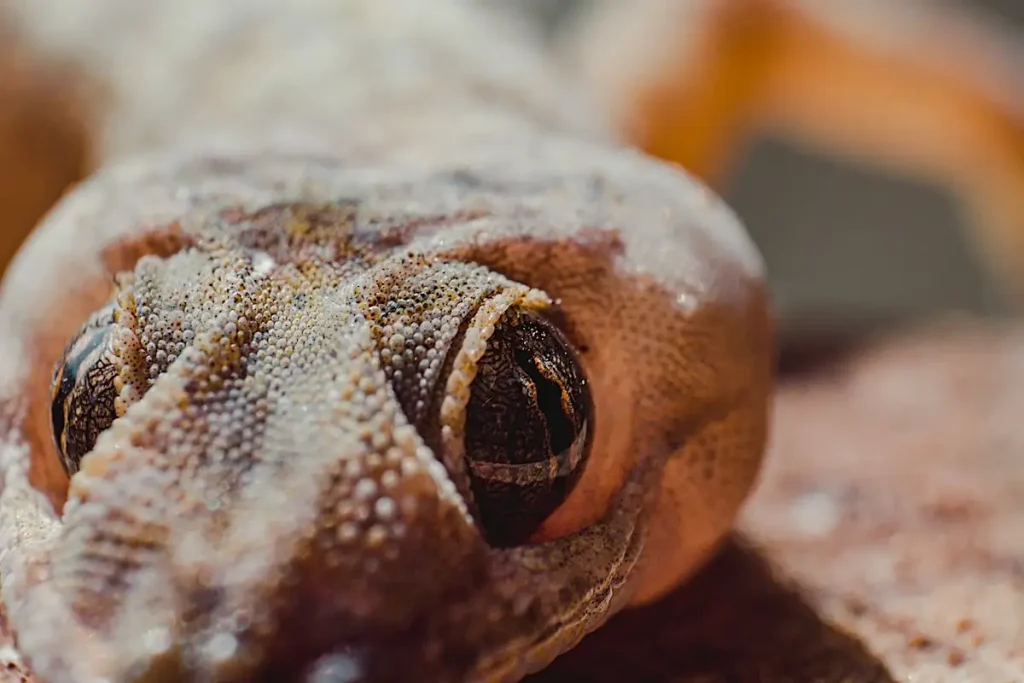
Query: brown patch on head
{"type": "Point", "coordinates": [293, 232]}
{"type": "Point", "coordinates": [297, 231]}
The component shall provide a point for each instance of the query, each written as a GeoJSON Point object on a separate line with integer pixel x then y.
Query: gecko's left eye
{"type": "Point", "coordinates": [528, 426]}
{"type": "Point", "coordinates": [82, 392]}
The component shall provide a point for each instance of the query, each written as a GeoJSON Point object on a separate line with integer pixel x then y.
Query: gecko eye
{"type": "Point", "coordinates": [82, 392]}
{"type": "Point", "coordinates": [528, 427]}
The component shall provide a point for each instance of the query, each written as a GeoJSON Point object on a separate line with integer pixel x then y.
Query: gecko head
{"type": "Point", "coordinates": [301, 452]}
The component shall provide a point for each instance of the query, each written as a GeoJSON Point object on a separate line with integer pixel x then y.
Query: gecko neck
{"type": "Point", "coordinates": [376, 77]}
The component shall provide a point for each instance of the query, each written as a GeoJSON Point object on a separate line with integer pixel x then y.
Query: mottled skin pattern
{"type": "Point", "coordinates": [887, 531]}
{"type": "Point", "coordinates": [276, 502]}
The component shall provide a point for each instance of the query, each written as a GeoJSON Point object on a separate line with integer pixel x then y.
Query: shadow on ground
{"type": "Point", "coordinates": [737, 622]}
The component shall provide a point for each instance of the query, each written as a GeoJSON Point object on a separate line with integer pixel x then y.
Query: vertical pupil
{"type": "Point", "coordinates": [561, 430]}
{"type": "Point", "coordinates": [65, 383]}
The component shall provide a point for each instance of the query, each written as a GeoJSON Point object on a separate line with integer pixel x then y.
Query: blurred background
{"type": "Point", "coordinates": [876, 244]}
{"type": "Point", "coordinates": [849, 246]}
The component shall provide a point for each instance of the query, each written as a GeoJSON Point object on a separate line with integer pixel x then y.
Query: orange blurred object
{"type": "Point", "coordinates": [914, 86]}
{"type": "Point", "coordinates": [44, 144]}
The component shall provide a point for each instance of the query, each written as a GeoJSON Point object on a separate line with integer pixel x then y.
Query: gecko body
{"type": "Point", "coordinates": [346, 410]}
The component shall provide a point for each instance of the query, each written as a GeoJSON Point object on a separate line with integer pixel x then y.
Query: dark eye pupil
{"type": "Point", "coordinates": [550, 394]}
{"type": "Point", "coordinates": [527, 434]}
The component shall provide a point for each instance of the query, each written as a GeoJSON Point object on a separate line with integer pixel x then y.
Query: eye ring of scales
{"type": "Point", "coordinates": [277, 497]}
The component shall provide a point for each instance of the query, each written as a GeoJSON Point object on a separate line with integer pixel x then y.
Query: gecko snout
{"type": "Point", "coordinates": [346, 472]}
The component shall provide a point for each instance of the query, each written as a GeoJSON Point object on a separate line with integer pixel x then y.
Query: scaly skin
{"type": "Point", "coordinates": [279, 498]}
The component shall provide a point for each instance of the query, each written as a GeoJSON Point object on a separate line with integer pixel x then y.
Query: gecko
{"type": "Point", "coordinates": [421, 383]}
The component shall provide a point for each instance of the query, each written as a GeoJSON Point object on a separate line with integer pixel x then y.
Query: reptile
{"type": "Point", "coordinates": [317, 159]}
{"type": "Point", "coordinates": [423, 388]}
